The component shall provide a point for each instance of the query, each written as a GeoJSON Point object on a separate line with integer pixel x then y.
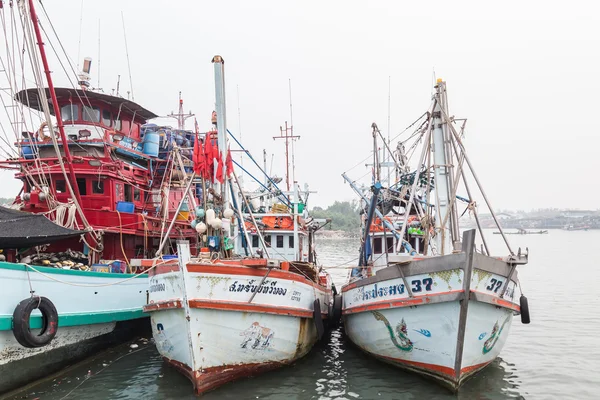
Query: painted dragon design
{"type": "Point", "coordinates": [496, 332]}
{"type": "Point", "coordinates": [402, 341]}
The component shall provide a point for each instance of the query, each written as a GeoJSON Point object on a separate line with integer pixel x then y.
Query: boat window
{"type": "Point", "coordinates": [279, 241]}
{"type": "Point", "coordinates": [98, 187]}
{"type": "Point", "coordinates": [291, 242]}
{"type": "Point", "coordinates": [106, 118]}
{"type": "Point", "coordinates": [390, 244]}
{"type": "Point", "coordinates": [125, 126]}
{"type": "Point", "coordinates": [268, 240]}
{"type": "Point", "coordinates": [82, 187]}
{"type": "Point", "coordinates": [70, 112]}
{"type": "Point", "coordinates": [136, 194]}
{"type": "Point", "coordinates": [377, 248]}
{"type": "Point", "coordinates": [117, 124]}
{"type": "Point", "coordinates": [60, 186]}
{"type": "Point", "coordinates": [128, 196]}
{"type": "Point", "coordinates": [91, 114]}
{"type": "Point", "coordinates": [254, 240]}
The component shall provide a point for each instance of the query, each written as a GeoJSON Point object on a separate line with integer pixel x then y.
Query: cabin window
{"type": "Point", "coordinates": [82, 186]}
{"type": "Point", "coordinates": [254, 240]}
{"type": "Point", "coordinates": [125, 126]}
{"type": "Point", "coordinates": [60, 186]}
{"type": "Point", "coordinates": [117, 124]}
{"type": "Point", "coordinates": [106, 118]}
{"type": "Point", "coordinates": [70, 112]}
{"type": "Point", "coordinates": [377, 246]}
{"type": "Point", "coordinates": [279, 241]}
{"type": "Point", "coordinates": [128, 196]}
{"type": "Point", "coordinates": [390, 244]}
{"type": "Point", "coordinates": [91, 114]}
{"type": "Point", "coordinates": [291, 242]}
{"type": "Point", "coordinates": [136, 194]}
{"type": "Point", "coordinates": [98, 187]}
{"type": "Point", "coordinates": [268, 240]}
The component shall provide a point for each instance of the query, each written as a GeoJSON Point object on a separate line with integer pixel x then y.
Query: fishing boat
{"type": "Point", "coordinates": [106, 181]}
{"type": "Point", "coordinates": [253, 300]}
{"type": "Point", "coordinates": [423, 297]}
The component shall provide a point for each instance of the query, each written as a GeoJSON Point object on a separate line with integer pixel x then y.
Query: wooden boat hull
{"type": "Point", "coordinates": [440, 332]}
{"type": "Point", "coordinates": [89, 318]}
{"type": "Point", "coordinates": [217, 336]}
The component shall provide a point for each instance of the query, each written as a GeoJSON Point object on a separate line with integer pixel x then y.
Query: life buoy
{"type": "Point", "coordinates": [41, 135]}
{"type": "Point", "coordinates": [21, 328]}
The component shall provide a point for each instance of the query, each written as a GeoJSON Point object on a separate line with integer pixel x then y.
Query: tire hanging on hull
{"type": "Point", "coordinates": [21, 325]}
{"type": "Point", "coordinates": [318, 318]}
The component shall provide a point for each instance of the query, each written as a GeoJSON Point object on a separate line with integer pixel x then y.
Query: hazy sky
{"type": "Point", "coordinates": [525, 74]}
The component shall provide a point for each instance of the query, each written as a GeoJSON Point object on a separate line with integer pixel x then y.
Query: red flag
{"type": "Point", "coordinates": [220, 170]}
{"type": "Point", "coordinates": [198, 157]}
{"type": "Point", "coordinates": [208, 156]}
{"type": "Point", "coordinates": [229, 163]}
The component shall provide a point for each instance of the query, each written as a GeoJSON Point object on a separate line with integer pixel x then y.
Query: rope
{"type": "Point", "coordinates": [342, 264]}
{"type": "Point", "coordinates": [121, 240]}
{"type": "Point", "coordinates": [96, 285]}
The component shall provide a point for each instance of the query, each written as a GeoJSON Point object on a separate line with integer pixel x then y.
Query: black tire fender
{"type": "Point", "coordinates": [337, 309]}
{"type": "Point", "coordinates": [318, 319]}
{"type": "Point", "coordinates": [21, 328]}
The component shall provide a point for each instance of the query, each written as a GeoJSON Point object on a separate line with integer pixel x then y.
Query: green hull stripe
{"type": "Point", "coordinates": [78, 319]}
{"type": "Point", "coordinates": [60, 271]}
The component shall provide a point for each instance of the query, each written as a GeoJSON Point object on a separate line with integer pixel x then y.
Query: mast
{"type": "Point", "coordinates": [181, 116]}
{"type": "Point", "coordinates": [219, 65]}
{"type": "Point", "coordinates": [287, 134]}
{"type": "Point", "coordinates": [441, 168]}
{"type": "Point", "coordinates": [59, 124]}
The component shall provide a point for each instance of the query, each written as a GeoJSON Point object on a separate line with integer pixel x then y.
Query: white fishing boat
{"type": "Point", "coordinates": [423, 298]}
{"type": "Point", "coordinates": [251, 301]}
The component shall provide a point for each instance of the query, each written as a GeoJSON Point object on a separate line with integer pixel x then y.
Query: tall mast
{"type": "Point", "coordinates": [441, 169]}
{"type": "Point", "coordinates": [287, 134]}
{"type": "Point", "coordinates": [63, 137]}
{"type": "Point", "coordinates": [219, 65]}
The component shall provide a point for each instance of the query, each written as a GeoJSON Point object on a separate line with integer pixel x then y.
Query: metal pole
{"type": "Point", "coordinates": [464, 178]}
{"type": "Point", "coordinates": [59, 123]}
{"type": "Point", "coordinates": [412, 191]}
{"type": "Point", "coordinates": [448, 150]}
{"type": "Point", "coordinates": [481, 190]}
{"type": "Point", "coordinates": [219, 66]}
{"type": "Point", "coordinates": [260, 237]}
{"type": "Point", "coordinates": [241, 219]}
{"type": "Point", "coordinates": [164, 241]}
{"type": "Point", "coordinates": [296, 244]}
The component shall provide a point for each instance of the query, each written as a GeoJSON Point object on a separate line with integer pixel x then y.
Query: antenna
{"type": "Point", "coordinates": [287, 134]}
{"type": "Point", "coordinates": [127, 53]}
{"type": "Point", "coordinates": [292, 127]}
{"type": "Point", "coordinates": [240, 127]}
{"type": "Point", "coordinates": [80, 24]}
{"type": "Point", "coordinates": [388, 126]}
{"type": "Point", "coordinates": [118, 83]}
{"type": "Point", "coordinates": [181, 116]}
{"type": "Point", "coordinates": [98, 88]}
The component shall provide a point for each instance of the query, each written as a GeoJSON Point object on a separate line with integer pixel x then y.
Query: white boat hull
{"type": "Point", "coordinates": [89, 317]}
{"type": "Point", "coordinates": [427, 332]}
{"type": "Point", "coordinates": [226, 337]}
